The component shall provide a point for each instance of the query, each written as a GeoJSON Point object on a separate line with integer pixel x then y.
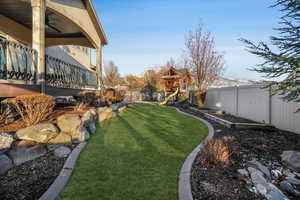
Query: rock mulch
{"type": "Point", "coordinates": [257, 172]}
{"type": "Point", "coordinates": [31, 179]}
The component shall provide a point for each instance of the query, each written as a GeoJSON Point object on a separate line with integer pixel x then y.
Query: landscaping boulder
{"type": "Point", "coordinates": [92, 128]}
{"type": "Point", "coordinates": [122, 109]}
{"type": "Point", "coordinates": [26, 143]}
{"type": "Point", "coordinates": [40, 133]}
{"type": "Point", "coordinates": [52, 147]}
{"type": "Point", "coordinates": [62, 152]}
{"type": "Point", "coordinates": [95, 114]}
{"type": "Point", "coordinates": [21, 155]}
{"type": "Point", "coordinates": [104, 113]}
{"type": "Point", "coordinates": [291, 159]}
{"type": "Point", "coordinates": [61, 138]}
{"type": "Point", "coordinates": [80, 135]}
{"type": "Point", "coordinates": [69, 123]}
{"type": "Point", "coordinates": [287, 187]}
{"type": "Point", "coordinates": [89, 121]}
{"type": "Point", "coordinates": [257, 165]}
{"type": "Point", "coordinates": [6, 141]}
{"type": "Point", "coordinates": [5, 164]}
{"type": "Point", "coordinates": [87, 118]}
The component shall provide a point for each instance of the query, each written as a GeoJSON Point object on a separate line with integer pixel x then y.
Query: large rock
{"type": "Point", "coordinates": [5, 164]}
{"type": "Point", "coordinates": [275, 194]}
{"type": "Point", "coordinates": [265, 188]}
{"type": "Point", "coordinates": [26, 143]}
{"type": "Point", "coordinates": [80, 135]}
{"type": "Point", "coordinates": [69, 123]}
{"type": "Point", "coordinates": [287, 187]}
{"type": "Point", "coordinates": [291, 177]}
{"type": "Point", "coordinates": [22, 154]}
{"type": "Point", "coordinates": [6, 141]}
{"type": "Point", "coordinates": [92, 128]}
{"type": "Point", "coordinates": [256, 164]}
{"type": "Point", "coordinates": [62, 152]}
{"type": "Point", "coordinates": [88, 119]}
{"type": "Point", "coordinates": [52, 147]}
{"type": "Point", "coordinates": [291, 159]}
{"type": "Point", "coordinates": [40, 133]}
{"type": "Point", "coordinates": [61, 138]}
{"type": "Point", "coordinates": [104, 113]}
{"type": "Point", "coordinates": [95, 114]}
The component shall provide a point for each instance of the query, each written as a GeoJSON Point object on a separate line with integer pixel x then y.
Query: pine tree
{"type": "Point", "coordinates": [283, 63]}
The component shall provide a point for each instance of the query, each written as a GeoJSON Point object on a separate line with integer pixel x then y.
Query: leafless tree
{"type": "Point", "coordinates": [201, 57]}
{"type": "Point", "coordinates": [134, 84]}
{"type": "Point", "coordinates": [112, 76]}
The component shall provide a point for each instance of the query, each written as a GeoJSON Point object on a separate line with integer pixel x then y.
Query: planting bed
{"type": "Point", "coordinates": [58, 111]}
{"type": "Point", "coordinates": [225, 116]}
{"type": "Point", "coordinates": [233, 119]}
{"type": "Point", "coordinates": [31, 179]}
{"type": "Point", "coordinates": [263, 145]}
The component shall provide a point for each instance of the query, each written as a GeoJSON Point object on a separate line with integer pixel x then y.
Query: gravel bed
{"type": "Point", "coordinates": [224, 183]}
{"type": "Point", "coordinates": [30, 180]}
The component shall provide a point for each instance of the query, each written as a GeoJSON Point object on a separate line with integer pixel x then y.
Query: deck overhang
{"type": "Point", "coordinates": [67, 22]}
{"type": "Point", "coordinates": [43, 23]}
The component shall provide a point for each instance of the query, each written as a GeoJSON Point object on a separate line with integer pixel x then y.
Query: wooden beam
{"type": "Point", "coordinates": [8, 90]}
{"type": "Point", "coordinates": [52, 91]}
{"type": "Point", "coordinates": [68, 41]}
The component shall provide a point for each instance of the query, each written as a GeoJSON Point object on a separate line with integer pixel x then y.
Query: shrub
{"type": "Point", "coordinates": [217, 152]}
{"type": "Point", "coordinates": [85, 100]}
{"type": "Point", "coordinates": [33, 108]}
{"type": "Point", "coordinates": [5, 111]}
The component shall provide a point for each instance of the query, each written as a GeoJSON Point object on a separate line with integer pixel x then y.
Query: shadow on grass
{"type": "Point", "coordinates": [137, 155]}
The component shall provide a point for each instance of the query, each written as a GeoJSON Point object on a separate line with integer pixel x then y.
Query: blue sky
{"type": "Point", "coordinates": [145, 33]}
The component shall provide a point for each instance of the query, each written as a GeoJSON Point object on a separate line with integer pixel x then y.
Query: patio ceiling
{"type": "Point", "coordinates": [57, 30]}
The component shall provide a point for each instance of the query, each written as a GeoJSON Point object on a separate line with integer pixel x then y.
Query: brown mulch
{"type": "Point", "coordinates": [30, 180]}
{"type": "Point", "coordinates": [58, 111]}
{"type": "Point", "coordinates": [211, 182]}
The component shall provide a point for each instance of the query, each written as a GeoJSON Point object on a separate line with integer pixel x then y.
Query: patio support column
{"type": "Point", "coordinates": [99, 67]}
{"type": "Point", "coordinates": [38, 39]}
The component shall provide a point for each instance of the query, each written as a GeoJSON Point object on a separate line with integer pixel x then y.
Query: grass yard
{"type": "Point", "coordinates": [136, 156]}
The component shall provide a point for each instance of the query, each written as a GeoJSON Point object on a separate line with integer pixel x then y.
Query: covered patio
{"type": "Point", "coordinates": [34, 25]}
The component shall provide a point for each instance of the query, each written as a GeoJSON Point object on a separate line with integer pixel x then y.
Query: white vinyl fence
{"type": "Point", "coordinates": [257, 104]}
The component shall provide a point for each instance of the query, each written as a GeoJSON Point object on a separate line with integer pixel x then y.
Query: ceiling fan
{"type": "Point", "coordinates": [48, 22]}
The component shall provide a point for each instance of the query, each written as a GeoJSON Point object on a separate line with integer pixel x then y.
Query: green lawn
{"type": "Point", "coordinates": [136, 156]}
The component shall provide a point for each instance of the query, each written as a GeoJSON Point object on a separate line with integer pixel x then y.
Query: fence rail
{"type": "Point", "coordinates": [254, 103]}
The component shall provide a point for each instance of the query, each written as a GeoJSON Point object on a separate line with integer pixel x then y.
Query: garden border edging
{"type": "Point", "coordinates": [184, 186]}
{"type": "Point", "coordinates": [60, 182]}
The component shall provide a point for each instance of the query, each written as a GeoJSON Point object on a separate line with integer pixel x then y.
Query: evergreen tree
{"type": "Point", "coordinates": [283, 63]}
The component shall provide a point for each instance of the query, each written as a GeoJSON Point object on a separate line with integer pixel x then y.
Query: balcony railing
{"type": "Point", "coordinates": [64, 75]}
{"type": "Point", "coordinates": [19, 63]}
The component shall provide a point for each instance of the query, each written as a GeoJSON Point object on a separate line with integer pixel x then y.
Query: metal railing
{"type": "Point", "coordinates": [19, 62]}
{"type": "Point", "coordinates": [64, 75]}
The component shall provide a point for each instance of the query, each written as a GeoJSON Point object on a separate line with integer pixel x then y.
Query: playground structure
{"type": "Point", "coordinates": [175, 81]}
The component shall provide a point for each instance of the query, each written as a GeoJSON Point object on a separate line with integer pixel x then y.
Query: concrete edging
{"type": "Point", "coordinates": [184, 186]}
{"type": "Point", "coordinates": [58, 185]}
{"type": "Point", "coordinates": [232, 124]}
